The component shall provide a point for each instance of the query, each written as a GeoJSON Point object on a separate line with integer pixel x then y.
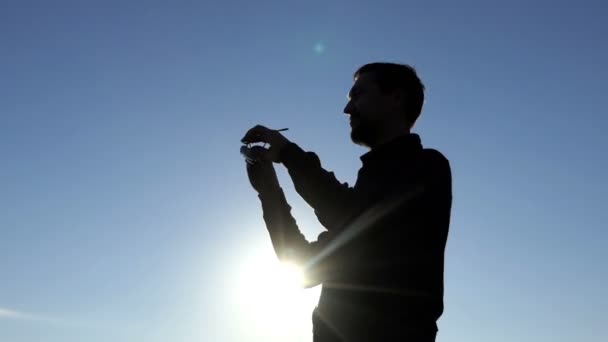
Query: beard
{"type": "Point", "coordinates": [362, 134]}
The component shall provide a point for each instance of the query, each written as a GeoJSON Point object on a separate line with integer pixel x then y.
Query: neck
{"type": "Point", "coordinates": [389, 134]}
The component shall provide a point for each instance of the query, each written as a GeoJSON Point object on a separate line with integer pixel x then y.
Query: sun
{"type": "Point", "coordinates": [271, 297]}
{"type": "Point", "coordinates": [286, 275]}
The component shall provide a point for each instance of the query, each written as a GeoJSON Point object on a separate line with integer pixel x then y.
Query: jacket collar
{"type": "Point", "coordinates": [400, 146]}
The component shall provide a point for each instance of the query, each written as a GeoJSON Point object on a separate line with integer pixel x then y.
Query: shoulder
{"type": "Point", "coordinates": [434, 159]}
{"type": "Point", "coordinates": [436, 168]}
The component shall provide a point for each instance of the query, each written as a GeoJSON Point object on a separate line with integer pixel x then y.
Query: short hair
{"type": "Point", "coordinates": [392, 76]}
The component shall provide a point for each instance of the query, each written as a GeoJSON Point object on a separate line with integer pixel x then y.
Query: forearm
{"type": "Point", "coordinates": [289, 243]}
{"type": "Point", "coordinates": [332, 200]}
{"type": "Point", "coordinates": [287, 240]}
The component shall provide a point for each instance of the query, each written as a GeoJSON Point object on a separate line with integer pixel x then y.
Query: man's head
{"type": "Point", "coordinates": [386, 99]}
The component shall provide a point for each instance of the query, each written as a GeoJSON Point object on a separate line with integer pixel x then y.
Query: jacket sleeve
{"type": "Point", "coordinates": [289, 243]}
{"type": "Point", "coordinates": [331, 200]}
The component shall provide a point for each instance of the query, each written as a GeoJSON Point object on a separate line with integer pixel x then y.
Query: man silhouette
{"type": "Point", "coordinates": [381, 259]}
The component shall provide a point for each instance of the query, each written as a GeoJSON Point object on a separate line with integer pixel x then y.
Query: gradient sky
{"type": "Point", "coordinates": [126, 214]}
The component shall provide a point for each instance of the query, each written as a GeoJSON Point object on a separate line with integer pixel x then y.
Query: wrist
{"type": "Point", "coordinates": [280, 142]}
{"type": "Point", "coordinates": [270, 191]}
{"type": "Point", "coordinates": [283, 151]}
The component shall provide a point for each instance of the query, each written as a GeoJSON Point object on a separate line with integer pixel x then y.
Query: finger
{"type": "Point", "coordinates": [256, 170]}
{"type": "Point", "coordinates": [253, 135]}
{"type": "Point", "coordinates": [251, 168]}
{"type": "Point", "coordinates": [258, 133]}
{"type": "Point", "coordinates": [246, 153]}
{"type": "Point", "coordinates": [259, 153]}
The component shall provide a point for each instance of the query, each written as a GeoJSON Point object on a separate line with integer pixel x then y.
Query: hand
{"type": "Point", "coordinates": [261, 173]}
{"type": "Point", "coordinates": [266, 135]}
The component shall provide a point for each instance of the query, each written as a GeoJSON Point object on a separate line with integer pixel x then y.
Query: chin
{"type": "Point", "coordinates": [359, 137]}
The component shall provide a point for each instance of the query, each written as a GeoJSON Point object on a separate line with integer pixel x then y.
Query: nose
{"type": "Point", "coordinates": [349, 108]}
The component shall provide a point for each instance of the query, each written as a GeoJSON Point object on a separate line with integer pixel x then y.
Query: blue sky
{"type": "Point", "coordinates": [126, 215]}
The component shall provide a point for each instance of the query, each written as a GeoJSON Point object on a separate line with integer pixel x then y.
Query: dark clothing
{"type": "Point", "coordinates": [381, 259]}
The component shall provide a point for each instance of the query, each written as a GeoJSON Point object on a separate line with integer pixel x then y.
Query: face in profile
{"type": "Point", "coordinates": [368, 110]}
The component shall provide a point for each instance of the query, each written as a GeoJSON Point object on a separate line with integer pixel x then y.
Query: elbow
{"type": "Point", "coordinates": [309, 283]}
{"type": "Point", "coordinates": [292, 256]}
{"type": "Point", "coordinates": [307, 275]}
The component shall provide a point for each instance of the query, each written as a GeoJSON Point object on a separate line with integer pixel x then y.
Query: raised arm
{"type": "Point", "coordinates": [287, 240]}
{"type": "Point", "coordinates": [289, 243]}
{"type": "Point", "coordinates": [332, 200]}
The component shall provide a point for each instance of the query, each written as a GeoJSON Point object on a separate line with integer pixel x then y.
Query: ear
{"type": "Point", "coordinates": [398, 98]}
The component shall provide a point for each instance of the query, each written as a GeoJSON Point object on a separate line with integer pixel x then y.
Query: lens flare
{"type": "Point", "coordinates": [272, 304]}
{"type": "Point", "coordinates": [319, 48]}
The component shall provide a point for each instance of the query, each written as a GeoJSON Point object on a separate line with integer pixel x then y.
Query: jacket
{"type": "Point", "coordinates": [381, 259]}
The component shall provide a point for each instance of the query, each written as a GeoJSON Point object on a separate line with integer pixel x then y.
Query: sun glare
{"type": "Point", "coordinates": [271, 298]}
